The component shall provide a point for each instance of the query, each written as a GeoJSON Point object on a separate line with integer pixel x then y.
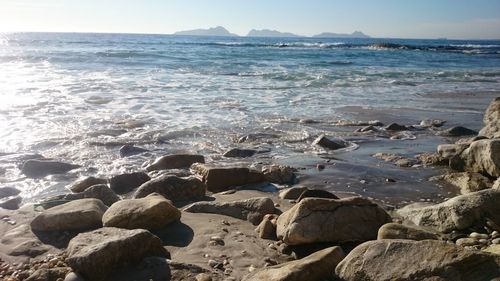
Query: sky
{"type": "Point", "coordinates": [453, 19]}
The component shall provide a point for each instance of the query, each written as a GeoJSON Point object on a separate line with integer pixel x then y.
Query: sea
{"type": "Point", "coordinates": [78, 97]}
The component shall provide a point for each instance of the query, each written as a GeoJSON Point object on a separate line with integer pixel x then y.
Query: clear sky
{"type": "Point", "coordinates": [378, 18]}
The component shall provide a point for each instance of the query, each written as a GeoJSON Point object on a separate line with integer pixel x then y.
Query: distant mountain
{"type": "Point", "coordinates": [355, 34]}
{"type": "Point", "coordinates": [270, 33]}
{"type": "Point", "coordinates": [214, 31]}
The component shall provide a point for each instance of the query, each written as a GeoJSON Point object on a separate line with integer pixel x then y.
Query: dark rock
{"type": "Point", "coordinates": [240, 153]}
{"type": "Point", "coordinates": [150, 268]}
{"type": "Point", "coordinates": [129, 150]}
{"type": "Point", "coordinates": [396, 127]}
{"type": "Point", "coordinates": [175, 161]}
{"type": "Point", "coordinates": [292, 193]}
{"type": "Point", "coordinates": [125, 183]}
{"type": "Point", "coordinates": [279, 174]}
{"type": "Point", "coordinates": [49, 274]}
{"type": "Point", "coordinates": [8, 191]}
{"type": "Point", "coordinates": [316, 193]}
{"type": "Point", "coordinates": [85, 183]}
{"type": "Point", "coordinates": [42, 168]}
{"type": "Point", "coordinates": [333, 144]}
{"type": "Point", "coordinates": [98, 191]}
{"type": "Point", "coordinates": [221, 178]}
{"type": "Point", "coordinates": [173, 188]}
{"type": "Point", "coordinates": [11, 202]}
{"type": "Point", "coordinates": [457, 131]}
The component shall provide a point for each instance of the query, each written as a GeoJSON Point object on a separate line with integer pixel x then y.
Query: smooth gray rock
{"type": "Point", "coordinates": [221, 178]}
{"type": "Point", "coordinates": [173, 188]}
{"type": "Point", "coordinates": [40, 168]}
{"type": "Point", "coordinates": [125, 183]}
{"type": "Point", "coordinates": [8, 191]}
{"type": "Point", "coordinates": [129, 150]}
{"type": "Point", "coordinates": [11, 202]}
{"type": "Point", "coordinates": [82, 184]}
{"type": "Point", "coordinates": [175, 161]}
{"type": "Point", "coordinates": [329, 143]}
{"type": "Point", "coordinates": [239, 153]}
{"type": "Point", "coordinates": [400, 231]}
{"type": "Point", "coordinates": [99, 191]}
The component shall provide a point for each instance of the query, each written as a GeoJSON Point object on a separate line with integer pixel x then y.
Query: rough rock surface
{"type": "Point", "coordinates": [173, 188]}
{"type": "Point", "coordinates": [315, 220]}
{"type": "Point", "coordinates": [457, 131]}
{"type": "Point", "coordinates": [491, 120]}
{"type": "Point", "coordinates": [151, 212]}
{"type": "Point", "coordinates": [468, 182]}
{"type": "Point", "coordinates": [316, 193]}
{"type": "Point", "coordinates": [400, 231]}
{"type": "Point", "coordinates": [81, 185]}
{"type": "Point", "coordinates": [95, 254]}
{"type": "Point", "coordinates": [74, 215]}
{"type": "Point", "coordinates": [267, 227]}
{"type": "Point", "coordinates": [483, 156]}
{"type": "Point", "coordinates": [326, 142]}
{"type": "Point", "coordinates": [448, 151]}
{"type": "Point", "coordinates": [315, 267]}
{"type": "Point", "coordinates": [125, 183]}
{"type": "Point", "coordinates": [36, 168]}
{"type": "Point", "coordinates": [279, 174]}
{"type": "Point", "coordinates": [220, 178]}
{"type": "Point", "coordinates": [99, 191]}
{"type": "Point", "coordinates": [175, 161]}
{"type": "Point", "coordinates": [457, 213]}
{"type": "Point", "coordinates": [252, 209]}
{"type": "Point", "coordinates": [396, 127]}
{"type": "Point", "coordinates": [408, 260]}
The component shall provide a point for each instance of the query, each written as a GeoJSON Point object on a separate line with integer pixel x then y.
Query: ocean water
{"type": "Point", "coordinates": [79, 97]}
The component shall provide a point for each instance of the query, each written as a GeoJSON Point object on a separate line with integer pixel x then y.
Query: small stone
{"type": "Point", "coordinates": [390, 180]}
{"type": "Point", "coordinates": [483, 241]}
{"type": "Point", "coordinates": [476, 235]}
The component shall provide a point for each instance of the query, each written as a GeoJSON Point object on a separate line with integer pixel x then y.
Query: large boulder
{"type": "Point", "coordinates": [491, 120]}
{"type": "Point", "coordinates": [468, 182]}
{"type": "Point", "coordinates": [173, 188]}
{"type": "Point", "coordinates": [11, 202]}
{"type": "Point", "coordinates": [125, 183]}
{"type": "Point", "coordinates": [75, 215]}
{"type": "Point", "coordinates": [96, 254]}
{"type": "Point", "coordinates": [252, 209]}
{"type": "Point", "coordinates": [99, 191]}
{"type": "Point", "coordinates": [457, 213]}
{"type": "Point", "coordinates": [151, 212]}
{"type": "Point", "coordinates": [315, 220]}
{"type": "Point", "coordinates": [36, 168]}
{"type": "Point", "coordinates": [407, 260]}
{"type": "Point", "coordinates": [483, 156]}
{"type": "Point", "coordinates": [400, 231]}
{"type": "Point", "coordinates": [221, 178]}
{"type": "Point", "coordinates": [279, 174]}
{"type": "Point", "coordinates": [175, 161]}
{"type": "Point", "coordinates": [315, 267]}
{"type": "Point", "coordinates": [82, 184]}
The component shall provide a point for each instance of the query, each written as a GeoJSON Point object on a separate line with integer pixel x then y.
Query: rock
{"type": "Point", "coordinates": [40, 168]}
{"type": "Point", "coordinates": [220, 178]}
{"type": "Point", "coordinates": [267, 227]}
{"type": "Point", "coordinates": [426, 123]}
{"type": "Point", "coordinates": [279, 174]}
{"type": "Point", "coordinates": [333, 144]}
{"type": "Point", "coordinates": [448, 151]}
{"type": "Point", "coordinates": [407, 260]}
{"type": "Point", "coordinates": [494, 249]}
{"type": "Point", "coordinates": [73, 277]}
{"type": "Point", "coordinates": [95, 254]}
{"type": "Point", "coordinates": [399, 231]}
{"type": "Point", "coordinates": [173, 188]}
{"type": "Point", "coordinates": [11, 202]}
{"type": "Point", "coordinates": [151, 212]}
{"type": "Point", "coordinates": [457, 131]}
{"type": "Point", "coordinates": [81, 185]}
{"type": "Point", "coordinates": [316, 193]}
{"type": "Point", "coordinates": [432, 159]}
{"type": "Point", "coordinates": [369, 128]}
{"type": "Point", "coordinates": [239, 153]}
{"type": "Point", "coordinates": [252, 209]}
{"type": "Point", "coordinates": [8, 191]}
{"type": "Point", "coordinates": [175, 161]}
{"type": "Point", "coordinates": [75, 215]}
{"type": "Point", "coordinates": [466, 242]}
{"type": "Point", "coordinates": [314, 220]}
{"type": "Point", "coordinates": [468, 182]}
{"type": "Point", "coordinates": [125, 183]}
{"type": "Point", "coordinates": [150, 269]}
{"type": "Point", "coordinates": [397, 159]}
{"type": "Point", "coordinates": [396, 127]}
{"type": "Point", "coordinates": [30, 248]}
{"type": "Point", "coordinates": [49, 274]}
{"type": "Point", "coordinates": [496, 184]}
{"type": "Point", "coordinates": [470, 140]}
{"type": "Point", "coordinates": [456, 213]}
{"type": "Point", "coordinates": [99, 191]}
{"type": "Point", "coordinates": [315, 267]}
{"type": "Point", "coordinates": [292, 193]}
{"type": "Point", "coordinates": [129, 150]}
{"type": "Point", "coordinates": [483, 156]}
{"type": "Point", "coordinates": [491, 120]}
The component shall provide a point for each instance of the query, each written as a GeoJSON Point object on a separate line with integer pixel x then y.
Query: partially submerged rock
{"type": "Point", "coordinates": [432, 159]}
{"type": "Point", "coordinates": [36, 168]}
{"type": "Point", "coordinates": [400, 231]}
{"type": "Point", "coordinates": [8, 191]}
{"type": "Point", "coordinates": [252, 209]}
{"type": "Point", "coordinates": [329, 143]}
{"type": "Point", "coordinates": [82, 184]}
{"type": "Point", "coordinates": [279, 174]}
{"type": "Point", "coordinates": [396, 127]}
{"type": "Point", "coordinates": [173, 188]}
{"type": "Point", "coordinates": [457, 131]}
{"type": "Point", "coordinates": [99, 191]}
{"type": "Point", "coordinates": [316, 193]}
{"type": "Point", "coordinates": [129, 150]}
{"type": "Point", "coordinates": [125, 183]}
{"type": "Point", "coordinates": [240, 153]}
{"type": "Point", "coordinates": [11, 202]}
{"type": "Point", "coordinates": [491, 120]}
{"type": "Point", "coordinates": [408, 260]}
{"type": "Point", "coordinates": [221, 178]}
{"type": "Point", "coordinates": [315, 220]}
{"type": "Point", "coordinates": [175, 161]}
{"type": "Point", "coordinates": [151, 212]}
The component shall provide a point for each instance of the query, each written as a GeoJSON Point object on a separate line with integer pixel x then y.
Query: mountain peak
{"type": "Point", "coordinates": [213, 31]}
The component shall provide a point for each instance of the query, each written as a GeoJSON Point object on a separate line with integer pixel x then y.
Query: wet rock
{"type": "Point", "coordinates": [75, 215]}
{"type": "Point", "coordinates": [81, 185]}
{"type": "Point", "coordinates": [49, 274]}
{"type": "Point", "coordinates": [315, 267]}
{"type": "Point", "coordinates": [427, 123]}
{"type": "Point", "coordinates": [315, 220]}
{"type": "Point", "coordinates": [221, 178]}
{"type": "Point", "coordinates": [397, 159]}
{"type": "Point", "coordinates": [41, 168]}
{"type": "Point", "coordinates": [432, 159]}
{"type": "Point", "coordinates": [292, 193]}
{"type": "Point", "coordinates": [151, 212]}
{"type": "Point", "coordinates": [239, 153]}
{"type": "Point", "coordinates": [457, 213]}
{"type": "Point", "coordinates": [483, 156]}
{"type": "Point", "coordinates": [267, 227]}
{"type": "Point", "coordinates": [399, 231]}
{"type": "Point", "coordinates": [173, 188]}
{"type": "Point", "coordinates": [175, 161]}
{"type": "Point", "coordinates": [407, 260]}
{"type": "Point", "coordinates": [129, 150]}
{"type": "Point", "coordinates": [396, 127]}
{"type": "Point", "coordinates": [316, 193]}
{"type": "Point", "coordinates": [252, 209]}
{"type": "Point", "coordinates": [95, 254]}
{"type": "Point", "coordinates": [8, 191]}
{"type": "Point", "coordinates": [333, 144]}
{"type": "Point", "coordinates": [125, 183]}
{"type": "Point", "coordinates": [11, 202]}
{"type": "Point", "coordinates": [457, 131]}
{"type": "Point", "coordinates": [449, 151]}
{"type": "Point", "coordinates": [491, 120]}
{"type": "Point", "coordinates": [366, 129]}
{"type": "Point", "coordinates": [279, 174]}
{"type": "Point", "coordinates": [99, 191]}
{"type": "Point", "coordinates": [468, 182]}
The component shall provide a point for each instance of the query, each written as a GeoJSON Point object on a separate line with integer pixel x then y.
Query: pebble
{"type": "Point", "coordinates": [213, 263]}
{"type": "Point", "coordinates": [483, 241]}
{"type": "Point", "coordinates": [478, 235]}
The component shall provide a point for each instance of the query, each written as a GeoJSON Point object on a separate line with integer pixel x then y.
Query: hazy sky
{"type": "Point", "coordinates": [378, 18]}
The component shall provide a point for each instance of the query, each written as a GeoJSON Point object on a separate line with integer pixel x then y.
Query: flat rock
{"type": "Point", "coordinates": [11, 202]}
{"type": "Point", "coordinates": [448, 151]}
{"type": "Point", "coordinates": [279, 174]}
{"type": "Point", "coordinates": [408, 260]}
{"type": "Point", "coordinates": [468, 182]}
{"type": "Point", "coordinates": [82, 184]}
{"type": "Point", "coordinates": [175, 161]}
{"type": "Point", "coordinates": [129, 150]}
{"type": "Point", "coordinates": [315, 220]}
{"type": "Point", "coordinates": [432, 159]}
{"type": "Point", "coordinates": [457, 131]}
{"type": "Point", "coordinates": [8, 191]}
{"type": "Point", "coordinates": [329, 143]}
{"type": "Point", "coordinates": [457, 213]}
{"type": "Point", "coordinates": [40, 168]}
{"type": "Point", "coordinates": [491, 120]}
{"type": "Point", "coordinates": [99, 191]}
{"type": "Point", "coordinates": [151, 212]}
{"type": "Point", "coordinates": [96, 254]}
{"type": "Point", "coordinates": [75, 215]}
{"type": "Point", "coordinates": [400, 231]}
{"type": "Point", "coordinates": [252, 209]}
{"type": "Point", "coordinates": [173, 188]}
{"type": "Point", "coordinates": [315, 267]}
{"type": "Point", "coordinates": [125, 183]}
{"type": "Point", "coordinates": [483, 156]}
{"type": "Point", "coordinates": [221, 178]}
{"type": "Point", "coordinates": [240, 153]}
